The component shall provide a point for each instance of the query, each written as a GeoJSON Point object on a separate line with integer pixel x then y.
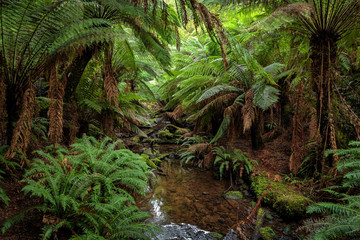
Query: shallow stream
{"type": "Point", "coordinates": [188, 203]}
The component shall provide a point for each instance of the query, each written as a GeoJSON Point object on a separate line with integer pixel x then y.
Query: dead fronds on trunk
{"type": "Point", "coordinates": [21, 135]}
{"type": "Point", "coordinates": [209, 160]}
{"type": "Point", "coordinates": [176, 114]}
{"type": "Point", "coordinates": [110, 83]}
{"type": "Point", "coordinates": [200, 148]}
{"type": "Point", "coordinates": [248, 110]}
{"type": "Point", "coordinates": [72, 110]}
{"type": "Point", "coordinates": [55, 112]}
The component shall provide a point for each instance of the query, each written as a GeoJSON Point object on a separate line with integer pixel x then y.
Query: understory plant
{"type": "Point", "coordinates": [342, 218]}
{"type": "Point", "coordinates": [232, 160]}
{"type": "Point", "coordinates": [5, 164]}
{"type": "Point", "coordinates": [89, 191]}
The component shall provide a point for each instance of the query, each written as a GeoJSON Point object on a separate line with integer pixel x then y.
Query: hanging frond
{"type": "Point", "coordinates": [217, 89]}
{"type": "Point", "coordinates": [265, 95]}
{"type": "Point", "coordinates": [222, 129]}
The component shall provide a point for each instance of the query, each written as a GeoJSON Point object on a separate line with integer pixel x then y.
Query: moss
{"type": "Point", "coordinates": [234, 195]}
{"type": "Point", "coordinates": [136, 139]}
{"type": "Point", "coordinates": [284, 198]}
{"type": "Point", "coordinates": [165, 134]}
{"type": "Point", "coordinates": [216, 235]}
{"type": "Point", "coordinates": [267, 233]}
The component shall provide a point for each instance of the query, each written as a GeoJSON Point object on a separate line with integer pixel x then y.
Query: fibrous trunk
{"type": "Point", "coordinates": [21, 133]}
{"type": "Point", "coordinates": [323, 61]}
{"type": "Point", "coordinates": [110, 83]}
{"type": "Point", "coordinates": [55, 113]}
{"type": "Point", "coordinates": [297, 134]}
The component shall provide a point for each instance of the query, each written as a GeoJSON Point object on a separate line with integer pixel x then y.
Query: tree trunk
{"type": "Point", "coordinates": [324, 51]}
{"type": "Point", "coordinates": [2, 110]}
{"type": "Point", "coordinates": [284, 103]}
{"type": "Point", "coordinates": [21, 133]}
{"type": "Point", "coordinates": [256, 139]}
{"type": "Point", "coordinates": [13, 107]}
{"type": "Point", "coordinates": [55, 113]}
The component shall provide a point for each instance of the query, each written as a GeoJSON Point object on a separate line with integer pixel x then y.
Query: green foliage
{"type": "Point", "coordinates": [342, 218]}
{"type": "Point", "coordinates": [87, 190]}
{"type": "Point", "coordinates": [39, 127]}
{"type": "Point", "coordinates": [5, 164]}
{"type": "Point", "coordinates": [188, 157]}
{"type": "Point", "coordinates": [232, 160]}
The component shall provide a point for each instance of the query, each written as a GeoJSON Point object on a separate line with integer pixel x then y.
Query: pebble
{"type": "Point", "coordinates": [205, 193]}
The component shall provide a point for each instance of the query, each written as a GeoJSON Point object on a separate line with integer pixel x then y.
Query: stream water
{"type": "Point", "coordinates": [189, 203]}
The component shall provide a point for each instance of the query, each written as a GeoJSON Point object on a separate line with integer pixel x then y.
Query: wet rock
{"type": "Point", "coordinates": [231, 236]}
{"type": "Point", "coordinates": [221, 220]}
{"type": "Point", "coordinates": [187, 231]}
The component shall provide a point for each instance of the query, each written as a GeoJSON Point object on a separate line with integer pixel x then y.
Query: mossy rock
{"type": "Point", "coordinates": [234, 195]}
{"type": "Point", "coordinates": [283, 197]}
{"type": "Point", "coordinates": [165, 134]}
{"type": "Point", "coordinates": [136, 139]}
{"type": "Point", "coordinates": [267, 233]}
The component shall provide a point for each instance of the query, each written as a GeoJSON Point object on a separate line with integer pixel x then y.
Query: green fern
{"type": "Point", "coordinates": [342, 220]}
{"type": "Point", "coordinates": [89, 191]}
{"type": "Point", "coordinates": [230, 160]}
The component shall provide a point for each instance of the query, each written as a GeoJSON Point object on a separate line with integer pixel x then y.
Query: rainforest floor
{"type": "Point", "coordinates": [272, 159]}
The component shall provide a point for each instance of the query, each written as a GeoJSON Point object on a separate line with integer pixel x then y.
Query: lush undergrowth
{"type": "Point", "coordinates": [88, 190]}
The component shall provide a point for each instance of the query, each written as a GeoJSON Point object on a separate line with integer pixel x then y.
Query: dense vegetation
{"type": "Point", "coordinates": [76, 75]}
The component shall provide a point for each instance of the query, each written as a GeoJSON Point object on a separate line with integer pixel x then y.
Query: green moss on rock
{"type": "Point", "coordinates": [283, 197]}
{"type": "Point", "coordinates": [234, 195]}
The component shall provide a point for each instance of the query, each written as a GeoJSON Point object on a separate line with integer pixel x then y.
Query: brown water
{"type": "Point", "coordinates": [193, 196]}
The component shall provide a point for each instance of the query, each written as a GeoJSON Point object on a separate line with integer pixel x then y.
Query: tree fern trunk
{"type": "Point", "coordinates": [110, 83]}
{"type": "Point", "coordinates": [55, 113]}
{"type": "Point", "coordinates": [14, 95]}
{"type": "Point", "coordinates": [324, 51]}
{"type": "Point", "coordinates": [21, 133]}
{"type": "Point", "coordinates": [256, 138]}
